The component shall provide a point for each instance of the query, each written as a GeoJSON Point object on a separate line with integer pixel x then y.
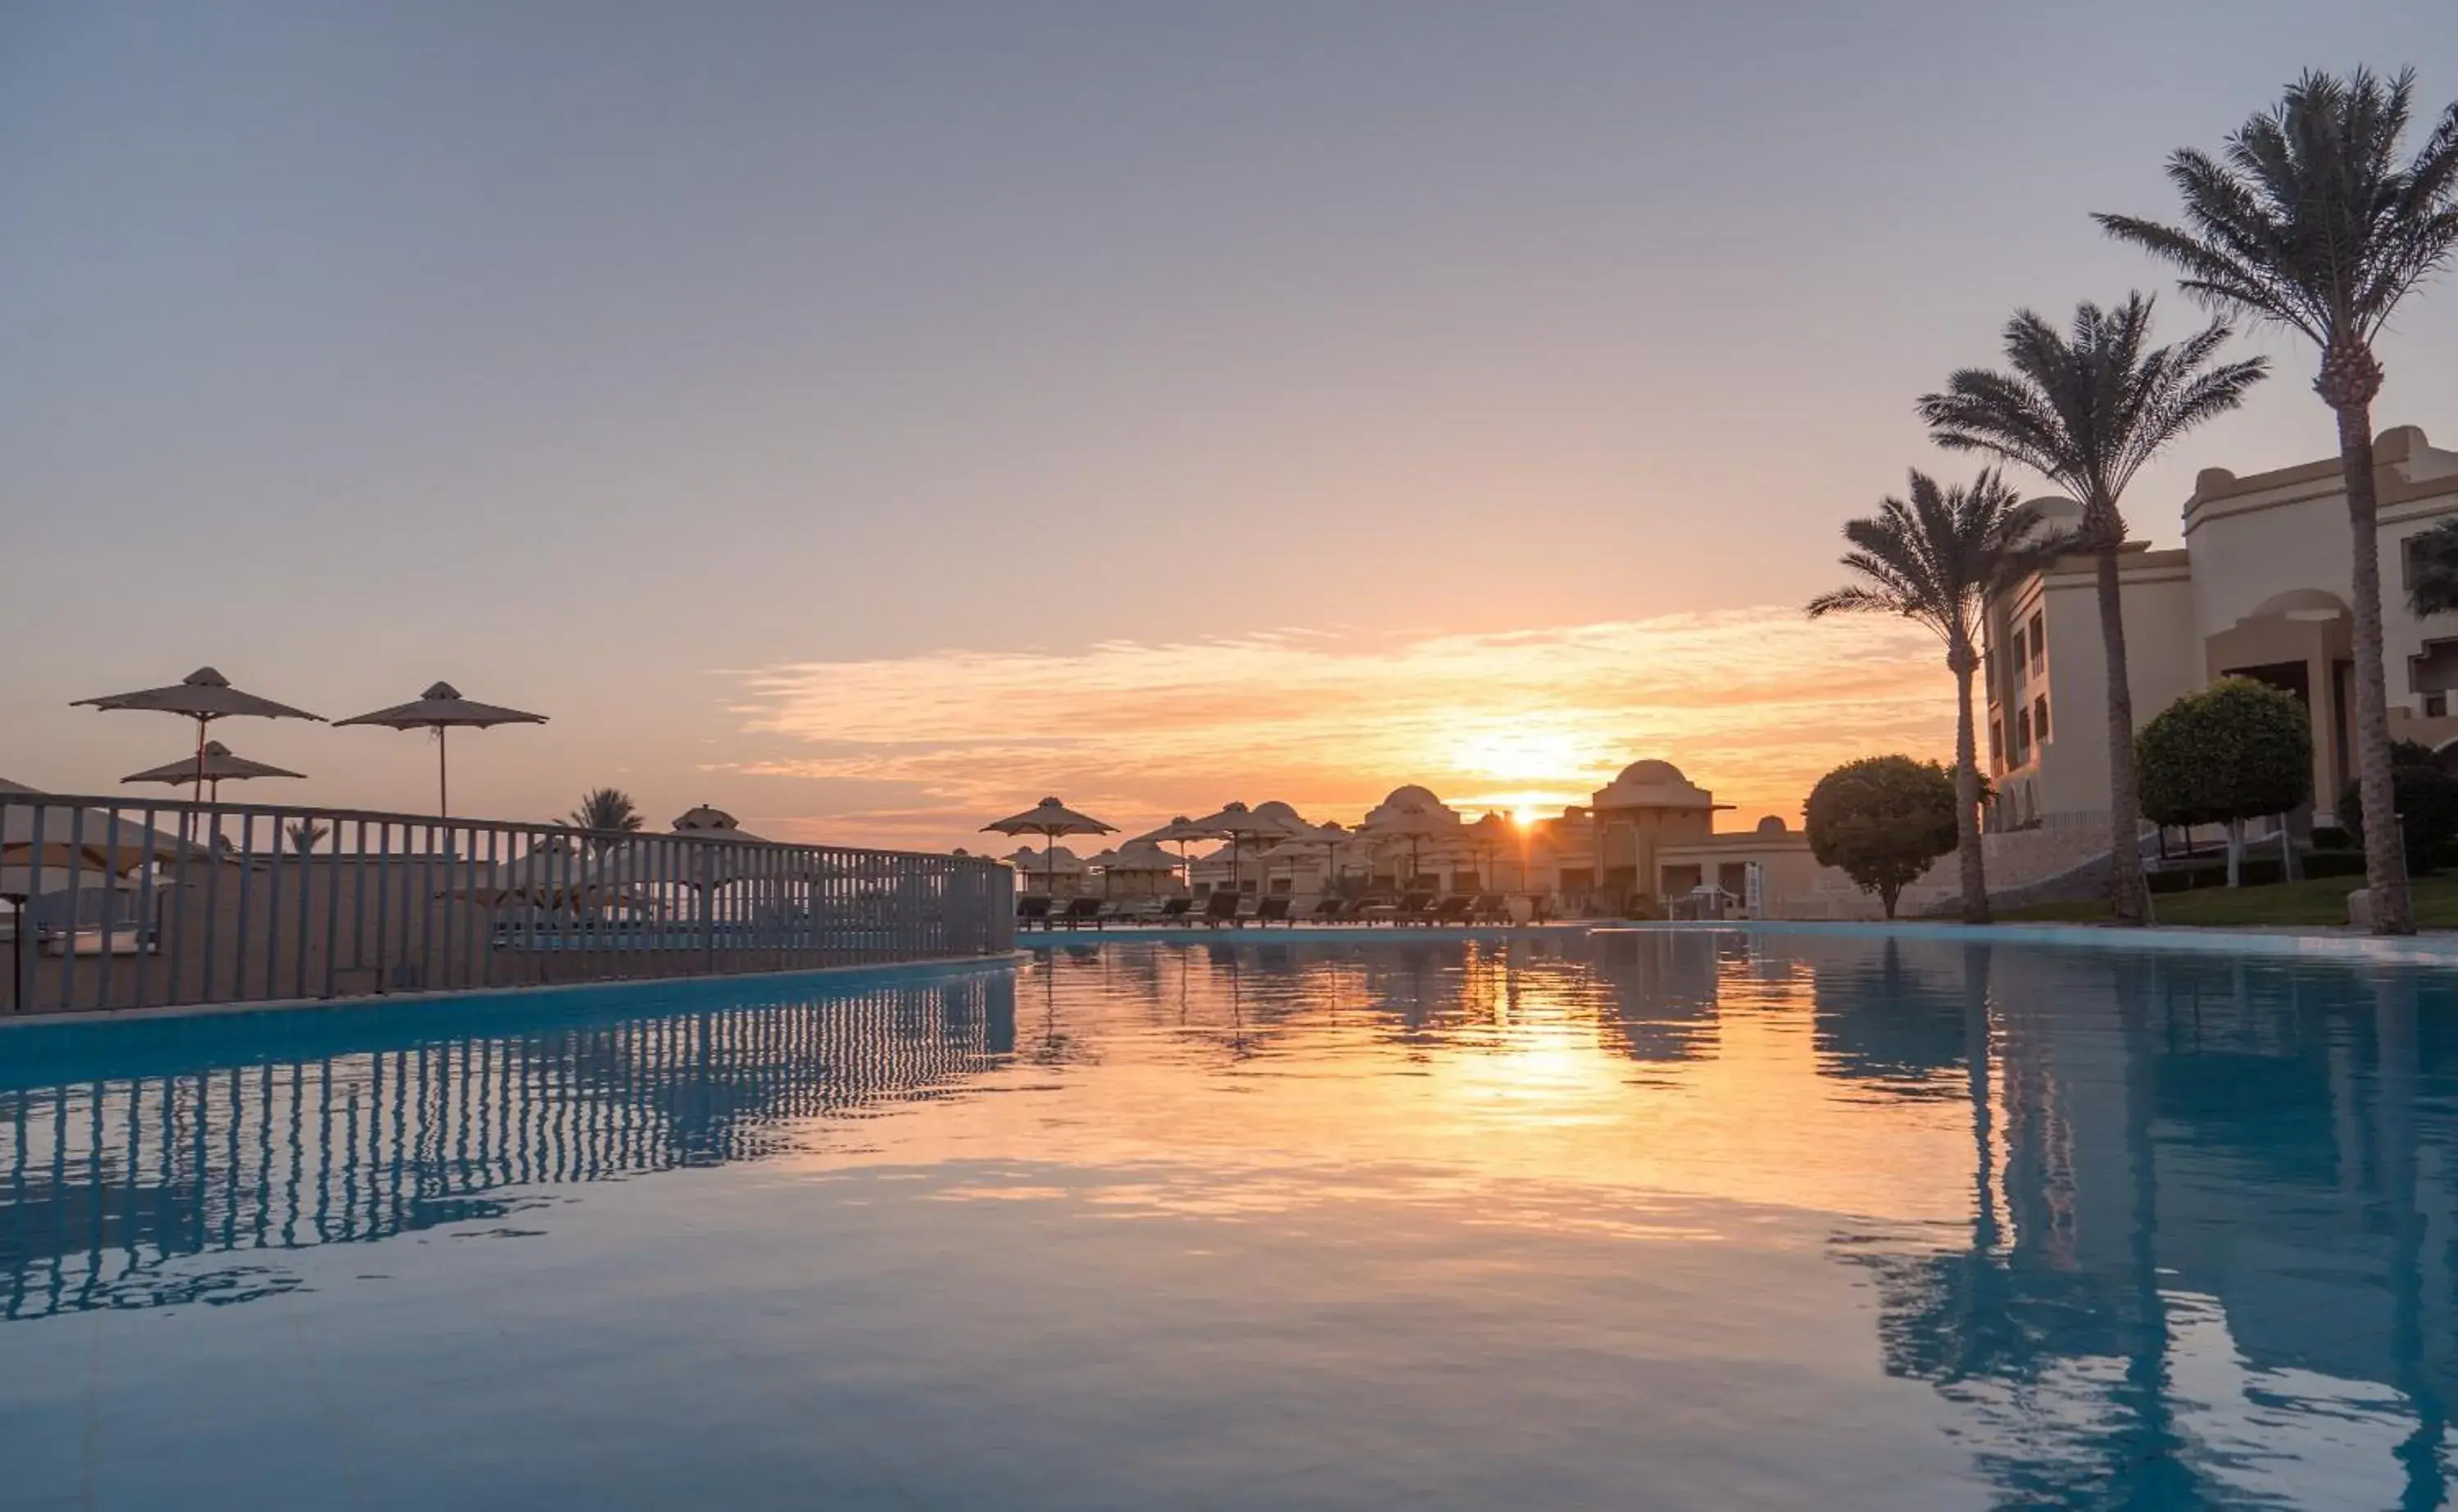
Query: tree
{"type": "Point", "coordinates": [1936, 561]}
{"type": "Point", "coordinates": [2236, 749]}
{"type": "Point", "coordinates": [2308, 220]}
{"type": "Point", "coordinates": [2087, 411]}
{"type": "Point", "coordinates": [607, 810]}
{"type": "Point", "coordinates": [1881, 821]}
{"type": "Point", "coordinates": [2435, 589]}
{"type": "Point", "coordinates": [304, 833]}
{"type": "Point", "coordinates": [2424, 823]}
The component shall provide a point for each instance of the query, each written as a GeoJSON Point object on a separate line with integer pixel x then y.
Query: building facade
{"type": "Point", "coordinates": [2261, 588]}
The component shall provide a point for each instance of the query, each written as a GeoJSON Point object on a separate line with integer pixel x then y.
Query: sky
{"type": "Point", "coordinates": [870, 418]}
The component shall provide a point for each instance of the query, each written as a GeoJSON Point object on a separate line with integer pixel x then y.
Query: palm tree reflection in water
{"type": "Point", "coordinates": [2163, 1146]}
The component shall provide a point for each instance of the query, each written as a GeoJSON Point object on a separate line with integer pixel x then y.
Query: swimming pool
{"type": "Point", "coordinates": [1662, 1220]}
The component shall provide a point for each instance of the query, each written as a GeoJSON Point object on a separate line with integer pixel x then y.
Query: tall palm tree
{"type": "Point", "coordinates": [304, 833]}
{"type": "Point", "coordinates": [2309, 221]}
{"type": "Point", "coordinates": [2086, 409]}
{"type": "Point", "coordinates": [608, 811]}
{"type": "Point", "coordinates": [1936, 561]}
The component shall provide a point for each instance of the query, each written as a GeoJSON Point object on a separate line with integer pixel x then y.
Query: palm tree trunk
{"type": "Point", "coordinates": [1966, 791]}
{"type": "Point", "coordinates": [2385, 862]}
{"type": "Point", "coordinates": [2124, 791]}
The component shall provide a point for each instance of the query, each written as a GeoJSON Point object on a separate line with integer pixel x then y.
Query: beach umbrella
{"type": "Point", "coordinates": [713, 823]}
{"type": "Point", "coordinates": [638, 859]}
{"type": "Point", "coordinates": [1051, 861]}
{"type": "Point", "coordinates": [1049, 819]}
{"type": "Point", "coordinates": [203, 695]}
{"type": "Point", "coordinates": [1327, 840]}
{"type": "Point", "coordinates": [1180, 832]}
{"type": "Point", "coordinates": [1415, 824]}
{"type": "Point", "coordinates": [439, 709]}
{"type": "Point", "coordinates": [218, 766]}
{"type": "Point", "coordinates": [1238, 824]}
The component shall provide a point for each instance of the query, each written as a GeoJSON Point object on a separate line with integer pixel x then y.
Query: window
{"type": "Point", "coordinates": [2022, 735]}
{"type": "Point", "coordinates": [2014, 664]}
{"type": "Point", "coordinates": [1996, 742]}
{"type": "Point", "coordinates": [2039, 643]}
{"type": "Point", "coordinates": [2435, 705]}
{"type": "Point", "coordinates": [2040, 717]}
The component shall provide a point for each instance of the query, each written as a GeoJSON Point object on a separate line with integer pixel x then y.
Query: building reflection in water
{"type": "Point", "coordinates": [110, 1181]}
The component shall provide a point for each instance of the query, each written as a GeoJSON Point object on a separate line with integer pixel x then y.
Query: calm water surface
{"type": "Point", "coordinates": [1636, 1220]}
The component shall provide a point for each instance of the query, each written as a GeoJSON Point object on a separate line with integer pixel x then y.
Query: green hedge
{"type": "Point", "coordinates": [2259, 870]}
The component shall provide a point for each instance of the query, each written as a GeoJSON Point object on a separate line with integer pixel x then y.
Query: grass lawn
{"type": "Point", "coordinates": [2314, 903]}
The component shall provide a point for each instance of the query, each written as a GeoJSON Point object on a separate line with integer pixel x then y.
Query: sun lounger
{"type": "Point", "coordinates": [1489, 908]}
{"type": "Point", "coordinates": [1081, 911]}
{"type": "Point", "coordinates": [1372, 910]}
{"type": "Point", "coordinates": [1033, 909]}
{"type": "Point", "coordinates": [1172, 910]}
{"type": "Point", "coordinates": [1221, 908]}
{"type": "Point", "coordinates": [1329, 911]}
{"type": "Point", "coordinates": [1451, 910]}
{"type": "Point", "coordinates": [1273, 910]}
{"type": "Point", "coordinates": [1414, 908]}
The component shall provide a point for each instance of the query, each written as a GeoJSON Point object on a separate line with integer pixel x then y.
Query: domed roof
{"type": "Point", "coordinates": [1411, 808]}
{"type": "Point", "coordinates": [1283, 814]}
{"type": "Point", "coordinates": [1651, 785]}
{"type": "Point", "coordinates": [1772, 824]}
{"type": "Point", "coordinates": [1652, 772]}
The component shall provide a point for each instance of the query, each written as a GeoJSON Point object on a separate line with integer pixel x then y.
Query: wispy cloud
{"type": "Point", "coordinates": [1755, 703]}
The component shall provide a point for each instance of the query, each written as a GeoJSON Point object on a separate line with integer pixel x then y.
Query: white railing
{"type": "Point", "coordinates": [125, 905]}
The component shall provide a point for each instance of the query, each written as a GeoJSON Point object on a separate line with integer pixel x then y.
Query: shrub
{"type": "Point", "coordinates": [2428, 805]}
{"type": "Point", "coordinates": [1881, 821]}
{"type": "Point", "coordinates": [2234, 750]}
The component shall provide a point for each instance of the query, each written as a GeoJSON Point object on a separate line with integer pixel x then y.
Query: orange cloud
{"type": "Point", "coordinates": [1754, 703]}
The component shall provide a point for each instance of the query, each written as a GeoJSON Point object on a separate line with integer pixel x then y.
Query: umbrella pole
{"type": "Point", "coordinates": [443, 783]}
{"type": "Point", "coordinates": [201, 750]}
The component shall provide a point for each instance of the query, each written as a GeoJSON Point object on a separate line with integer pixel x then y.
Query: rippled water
{"type": "Point", "coordinates": [1630, 1220]}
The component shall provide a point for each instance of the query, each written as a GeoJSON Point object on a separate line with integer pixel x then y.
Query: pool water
{"type": "Point", "coordinates": [1657, 1219]}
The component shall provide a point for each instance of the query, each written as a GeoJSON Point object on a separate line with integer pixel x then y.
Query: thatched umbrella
{"type": "Point", "coordinates": [217, 767]}
{"type": "Point", "coordinates": [1180, 832]}
{"type": "Point", "coordinates": [439, 709]}
{"type": "Point", "coordinates": [1240, 823]}
{"type": "Point", "coordinates": [1049, 818]}
{"type": "Point", "coordinates": [203, 695]}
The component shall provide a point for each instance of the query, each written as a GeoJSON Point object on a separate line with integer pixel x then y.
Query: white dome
{"type": "Point", "coordinates": [1651, 785]}
{"type": "Point", "coordinates": [1638, 771]}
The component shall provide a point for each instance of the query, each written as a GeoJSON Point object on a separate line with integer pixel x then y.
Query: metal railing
{"type": "Point", "coordinates": [128, 906]}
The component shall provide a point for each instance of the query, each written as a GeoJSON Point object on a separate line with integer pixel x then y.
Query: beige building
{"type": "Point", "coordinates": [2259, 589]}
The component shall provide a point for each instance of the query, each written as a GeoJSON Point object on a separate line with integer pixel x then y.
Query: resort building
{"type": "Point", "coordinates": [2259, 589]}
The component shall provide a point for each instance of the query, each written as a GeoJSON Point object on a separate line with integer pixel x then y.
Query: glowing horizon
{"type": "Point", "coordinates": [1753, 704]}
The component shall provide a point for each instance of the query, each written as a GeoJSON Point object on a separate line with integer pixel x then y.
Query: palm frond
{"type": "Point", "coordinates": [2308, 219]}
{"type": "Point", "coordinates": [2089, 407]}
{"type": "Point", "coordinates": [1935, 555]}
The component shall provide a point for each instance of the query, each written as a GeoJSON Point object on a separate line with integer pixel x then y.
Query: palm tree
{"type": "Point", "coordinates": [304, 833]}
{"type": "Point", "coordinates": [607, 810]}
{"type": "Point", "coordinates": [2086, 409]}
{"type": "Point", "coordinates": [2309, 221]}
{"type": "Point", "coordinates": [1936, 561]}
